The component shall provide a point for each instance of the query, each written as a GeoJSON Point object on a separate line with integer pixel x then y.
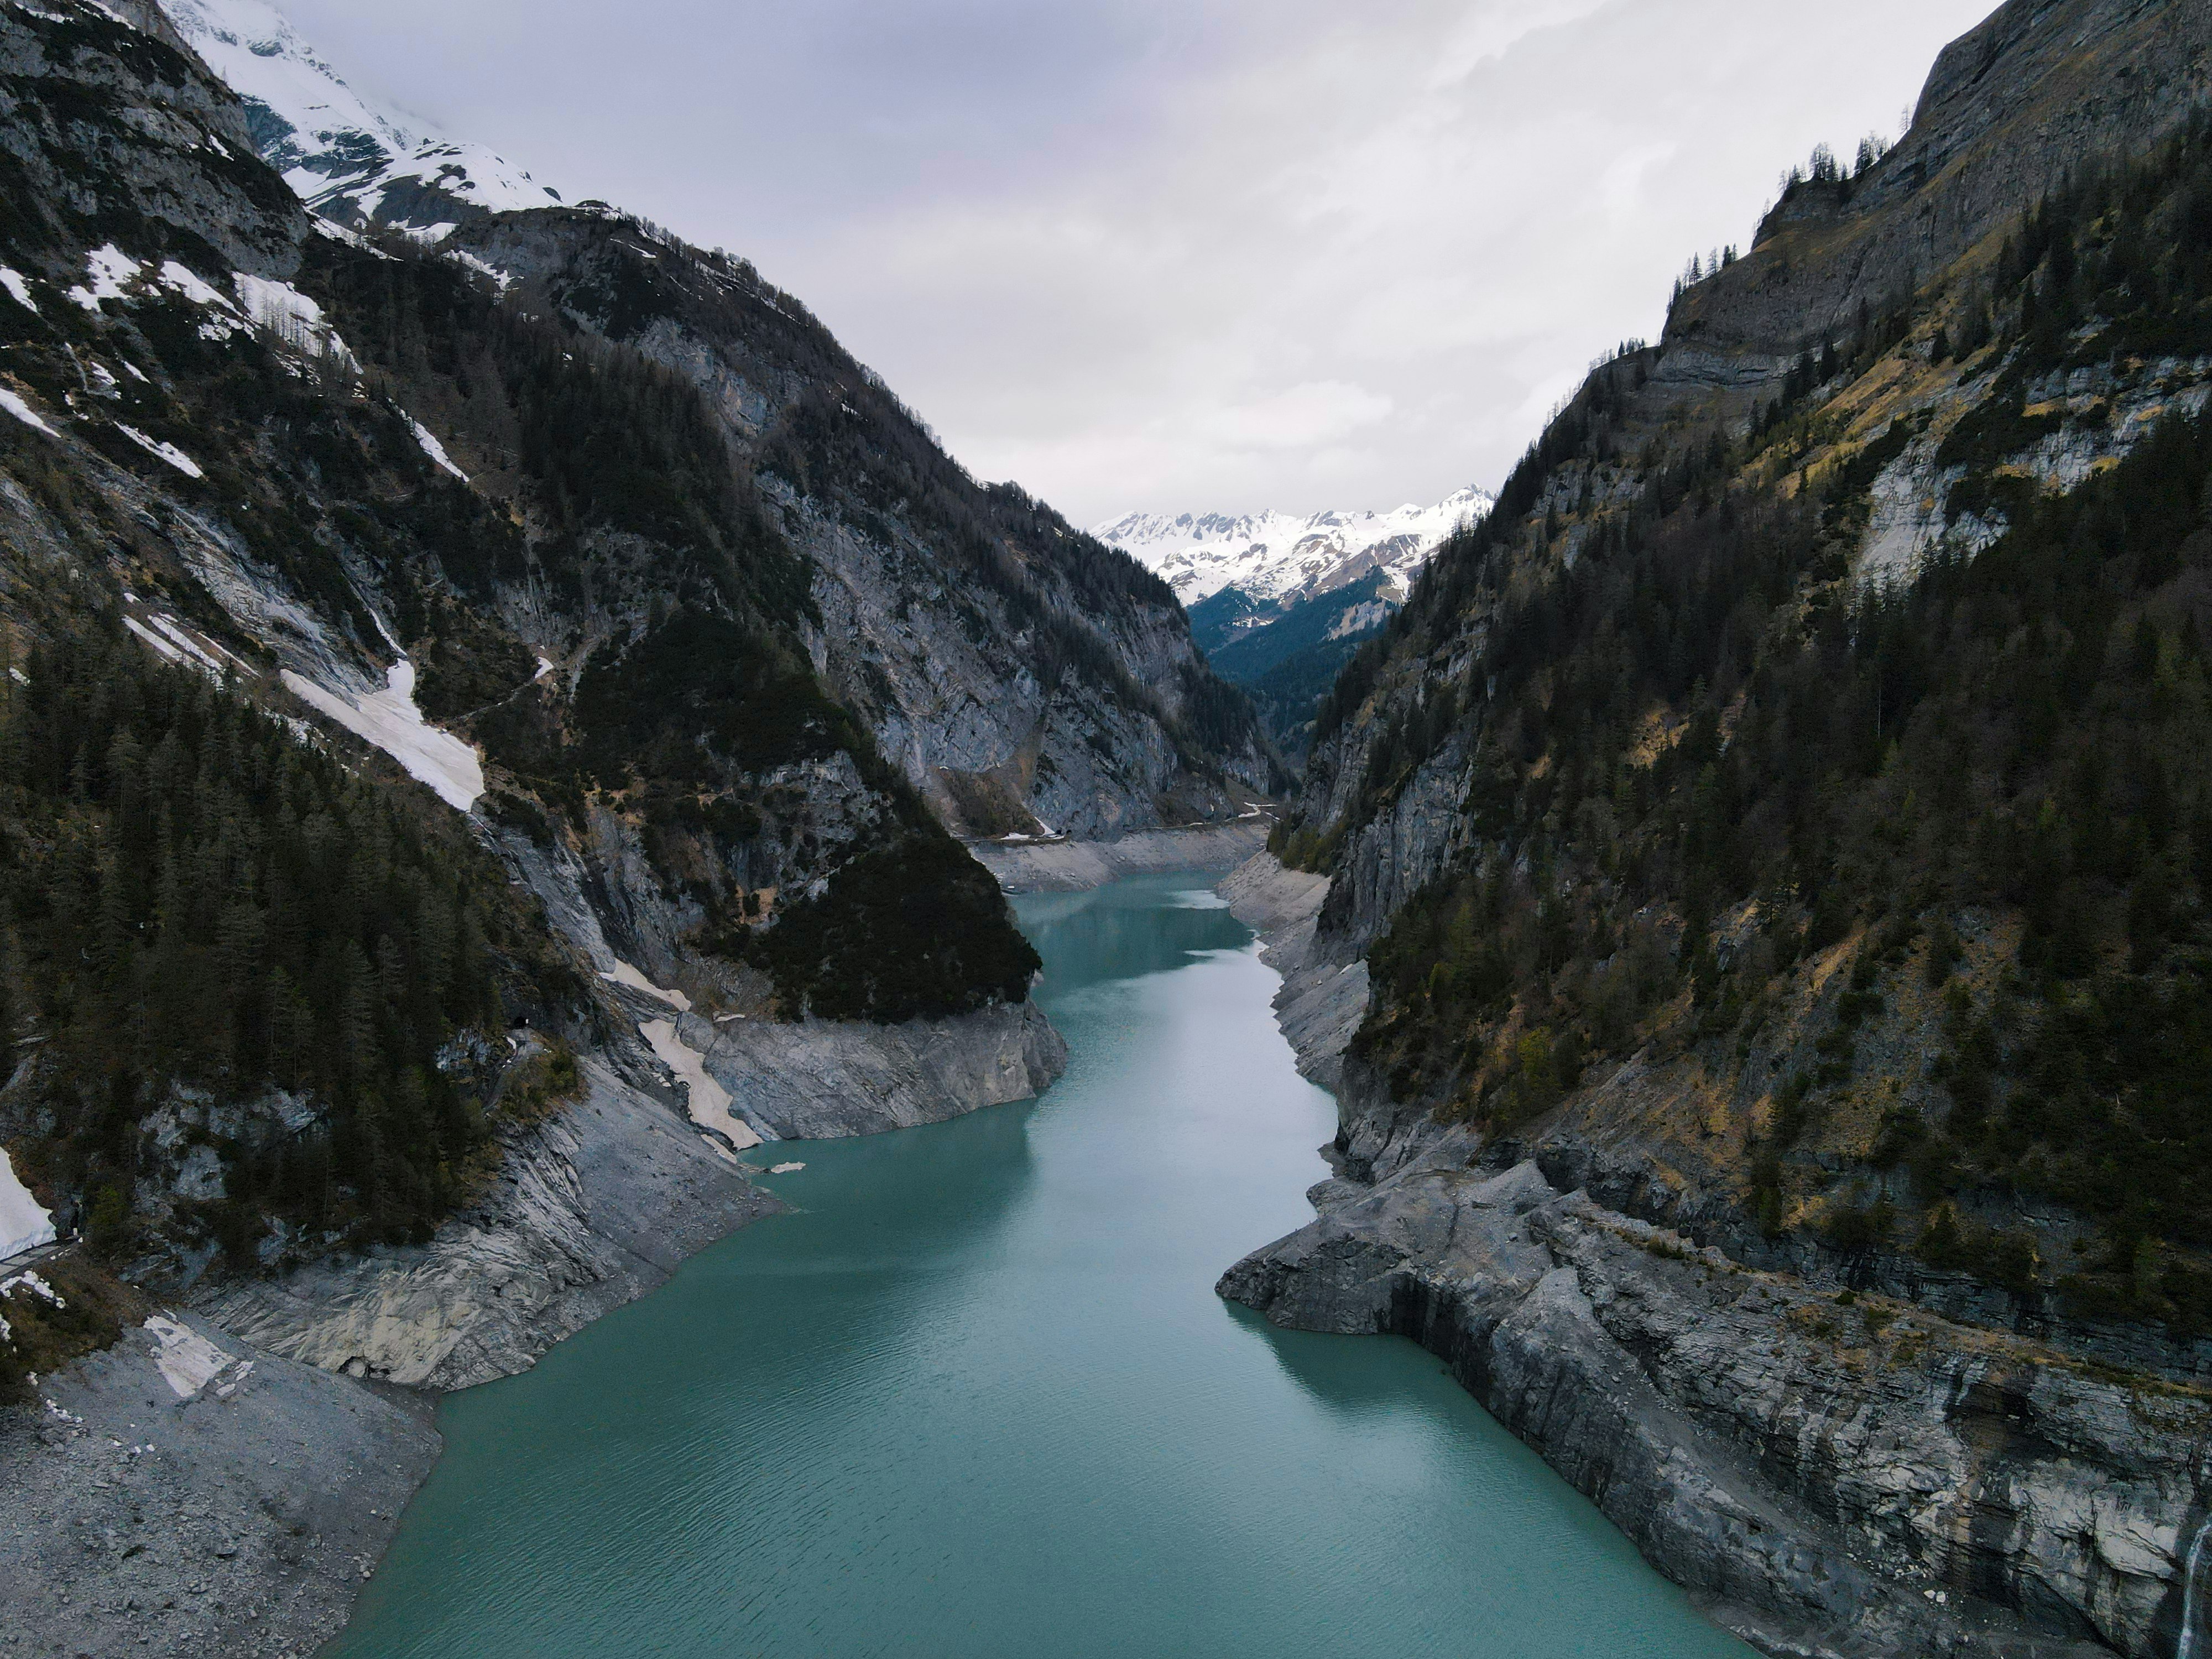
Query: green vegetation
{"type": "Point", "coordinates": [2023, 732]}
{"type": "Point", "coordinates": [691, 718]}
{"type": "Point", "coordinates": [1289, 665]}
{"type": "Point", "coordinates": [192, 898]}
{"type": "Point", "coordinates": [85, 1313]}
{"type": "Point", "coordinates": [899, 934]}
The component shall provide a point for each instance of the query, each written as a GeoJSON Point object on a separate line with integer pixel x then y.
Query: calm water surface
{"type": "Point", "coordinates": [978, 1398]}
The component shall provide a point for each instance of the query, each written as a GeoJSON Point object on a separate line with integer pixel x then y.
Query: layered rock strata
{"type": "Point", "coordinates": [1075, 867]}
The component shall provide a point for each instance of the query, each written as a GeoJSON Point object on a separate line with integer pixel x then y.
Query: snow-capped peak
{"type": "Point", "coordinates": [1274, 556]}
{"type": "Point", "coordinates": [349, 159]}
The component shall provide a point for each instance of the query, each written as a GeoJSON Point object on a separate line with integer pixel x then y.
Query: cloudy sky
{"type": "Point", "coordinates": [1178, 256]}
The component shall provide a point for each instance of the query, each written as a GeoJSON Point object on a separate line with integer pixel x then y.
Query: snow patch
{"type": "Point", "coordinates": [389, 720]}
{"type": "Point", "coordinates": [169, 452]}
{"type": "Point", "coordinates": [25, 1222]}
{"type": "Point", "coordinates": [461, 255]}
{"type": "Point", "coordinates": [161, 646]}
{"type": "Point", "coordinates": [14, 283]}
{"type": "Point", "coordinates": [106, 270]}
{"type": "Point", "coordinates": [436, 452]}
{"type": "Point", "coordinates": [189, 1362]}
{"type": "Point", "coordinates": [172, 641]}
{"type": "Point", "coordinates": [709, 1102]}
{"type": "Point", "coordinates": [624, 974]}
{"type": "Point", "coordinates": [292, 317]}
{"type": "Point", "coordinates": [188, 283]}
{"type": "Point", "coordinates": [339, 152]}
{"type": "Point", "coordinates": [23, 412]}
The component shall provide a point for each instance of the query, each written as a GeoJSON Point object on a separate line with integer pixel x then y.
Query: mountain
{"type": "Point", "coordinates": [483, 720]}
{"type": "Point", "coordinates": [350, 160]}
{"type": "Point", "coordinates": [1272, 556]}
{"type": "Point", "coordinates": [1769, 894]}
{"type": "Point", "coordinates": [1278, 604]}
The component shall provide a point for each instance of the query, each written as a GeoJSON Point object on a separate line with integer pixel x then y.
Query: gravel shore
{"type": "Point", "coordinates": [184, 1493]}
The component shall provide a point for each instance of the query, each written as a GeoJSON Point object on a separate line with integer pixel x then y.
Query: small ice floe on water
{"type": "Point", "coordinates": [785, 1169]}
{"type": "Point", "coordinates": [24, 1223]}
{"type": "Point", "coordinates": [1198, 898]}
{"type": "Point", "coordinates": [389, 720]}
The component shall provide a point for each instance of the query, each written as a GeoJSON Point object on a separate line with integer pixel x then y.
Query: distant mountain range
{"type": "Point", "coordinates": [1273, 556]}
{"type": "Point", "coordinates": [348, 158]}
{"type": "Point", "coordinates": [1280, 603]}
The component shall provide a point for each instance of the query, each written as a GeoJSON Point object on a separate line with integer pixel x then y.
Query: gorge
{"type": "Point", "coordinates": [605, 950]}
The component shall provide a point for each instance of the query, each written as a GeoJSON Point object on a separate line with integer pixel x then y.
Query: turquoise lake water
{"type": "Point", "coordinates": [977, 1398]}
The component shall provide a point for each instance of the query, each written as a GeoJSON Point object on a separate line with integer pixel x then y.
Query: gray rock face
{"type": "Point", "coordinates": [819, 1081]}
{"type": "Point", "coordinates": [236, 1511]}
{"type": "Point", "coordinates": [589, 1210]}
{"type": "Point", "coordinates": [1323, 997]}
{"type": "Point", "coordinates": [1076, 866]}
{"type": "Point", "coordinates": [2008, 108]}
{"type": "Point", "coordinates": [1833, 1473]}
{"type": "Point", "coordinates": [142, 113]}
{"type": "Point", "coordinates": [1012, 667]}
{"type": "Point", "coordinates": [1830, 1479]}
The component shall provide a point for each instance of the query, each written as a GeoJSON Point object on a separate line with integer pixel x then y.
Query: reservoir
{"type": "Point", "coordinates": [977, 1397]}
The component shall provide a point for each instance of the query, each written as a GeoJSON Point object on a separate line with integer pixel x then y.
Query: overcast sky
{"type": "Point", "coordinates": [1175, 255]}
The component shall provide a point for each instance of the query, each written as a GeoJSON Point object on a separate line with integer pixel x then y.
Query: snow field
{"type": "Point", "coordinates": [388, 720]}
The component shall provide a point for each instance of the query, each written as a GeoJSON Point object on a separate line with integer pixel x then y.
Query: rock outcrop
{"type": "Point", "coordinates": [820, 1081]}
{"type": "Point", "coordinates": [1070, 866]}
{"type": "Point", "coordinates": [1323, 997]}
{"type": "Point", "coordinates": [589, 1209]}
{"type": "Point", "coordinates": [1836, 1476]}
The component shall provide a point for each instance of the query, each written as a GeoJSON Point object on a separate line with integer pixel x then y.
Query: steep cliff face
{"type": "Point", "coordinates": [1774, 827]}
{"type": "Point", "coordinates": [380, 804]}
{"type": "Point", "coordinates": [1016, 669]}
{"type": "Point", "coordinates": [1018, 672]}
{"type": "Point", "coordinates": [1861, 1479]}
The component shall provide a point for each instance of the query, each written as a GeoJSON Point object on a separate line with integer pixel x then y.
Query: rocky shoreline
{"type": "Point", "coordinates": [1828, 1472]}
{"type": "Point", "coordinates": [1076, 866]}
{"type": "Point", "coordinates": [234, 1500]}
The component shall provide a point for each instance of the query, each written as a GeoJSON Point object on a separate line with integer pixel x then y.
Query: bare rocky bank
{"type": "Point", "coordinates": [1829, 1472]}
{"type": "Point", "coordinates": [1075, 866]}
{"type": "Point", "coordinates": [227, 1488]}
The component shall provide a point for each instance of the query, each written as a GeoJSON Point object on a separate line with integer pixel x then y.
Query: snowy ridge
{"type": "Point", "coordinates": [1274, 556]}
{"type": "Point", "coordinates": [348, 158]}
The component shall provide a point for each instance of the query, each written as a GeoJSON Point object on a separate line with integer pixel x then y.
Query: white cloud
{"type": "Point", "coordinates": [1137, 253]}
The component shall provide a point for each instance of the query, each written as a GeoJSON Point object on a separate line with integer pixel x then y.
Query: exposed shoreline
{"type": "Point", "coordinates": [1747, 1430]}
{"type": "Point", "coordinates": [238, 1504]}
{"type": "Point", "coordinates": [1076, 866]}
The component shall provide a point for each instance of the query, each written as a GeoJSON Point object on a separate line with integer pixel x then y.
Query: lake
{"type": "Point", "coordinates": [977, 1397]}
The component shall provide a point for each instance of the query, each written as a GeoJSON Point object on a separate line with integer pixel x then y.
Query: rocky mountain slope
{"type": "Point", "coordinates": [351, 158]}
{"type": "Point", "coordinates": [1771, 841]}
{"type": "Point", "coordinates": [480, 726]}
{"type": "Point", "coordinates": [1025, 677]}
